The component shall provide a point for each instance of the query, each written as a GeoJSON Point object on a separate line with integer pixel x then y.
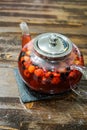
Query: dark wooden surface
{"type": "Point", "coordinates": [67, 17]}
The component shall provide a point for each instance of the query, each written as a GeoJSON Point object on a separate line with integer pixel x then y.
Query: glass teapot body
{"type": "Point", "coordinates": [46, 74]}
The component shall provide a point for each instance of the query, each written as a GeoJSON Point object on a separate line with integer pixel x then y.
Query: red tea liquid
{"type": "Point", "coordinates": [43, 76]}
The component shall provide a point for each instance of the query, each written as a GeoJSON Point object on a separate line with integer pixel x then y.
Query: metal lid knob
{"type": "Point", "coordinates": [53, 40]}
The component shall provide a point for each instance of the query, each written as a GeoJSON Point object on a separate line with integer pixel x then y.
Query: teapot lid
{"type": "Point", "coordinates": [52, 45]}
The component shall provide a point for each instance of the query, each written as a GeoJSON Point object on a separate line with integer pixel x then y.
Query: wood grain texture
{"type": "Point", "coordinates": [67, 17]}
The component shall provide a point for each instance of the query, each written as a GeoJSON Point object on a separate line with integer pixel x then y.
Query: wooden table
{"type": "Point", "coordinates": [66, 17]}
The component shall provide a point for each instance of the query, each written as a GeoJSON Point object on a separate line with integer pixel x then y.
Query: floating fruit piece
{"type": "Point", "coordinates": [56, 74]}
{"type": "Point", "coordinates": [28, 53]}
{"type": "Point", "coordinates": [73, 74]}
{"type": "Point", "coordinates": [31, 68]}
{"type": "Point", "coordinates": [36, 67]}
{"type": "Point", "coordinates": [77, 58]}
{"type": "Point", "coordinates": [77, 62]}
{"type": "Point", "coordinates": [62, 69]}
{"type": "Point", "coordinates": [22, 59]}
{"type": "Point", "coordinates": [55, 80]}
{"type": "Point", "coordinates": [81, 61]}
{"type": "Point", "coordinates": [48, 74]}
{"type": "Point", "coordinates": [44, 79]}
{"type": "Point", "coordinates": [26, 58]}
{"type": "Point", "coordinates": [26, 64]}
{"type": "Point", "coordinates": [26, 73]}
{"type": "Point", "coordinates": [24, 49]}
{"type": "Point", "coordinates": [39, 72]}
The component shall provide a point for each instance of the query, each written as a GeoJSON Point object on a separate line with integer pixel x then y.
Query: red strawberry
{"type": "Point", "coordinates": [26, 73]}
{"type": "Point", "coordinates": [55, 80]}
{"type": "Point", "coordinates": [39, 72]}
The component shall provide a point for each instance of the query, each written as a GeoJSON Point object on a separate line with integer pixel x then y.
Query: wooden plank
{"type": "Point", "coordinates": [44, 7]}
{"type": "Point", "coordinates": [8, 86]}
{"type": "Point", "coordinates": [51, 113]}
{"type": "Point", "coordinates": [48, 2]}
{"type": "Point", "coordinates": [51, 126]}
{"type": "Point", "coordinates": [67, 17]}
{"type": "Point", "coordinates": [42, 29]}
{"type": "Point", "coordinates": [14, 21]}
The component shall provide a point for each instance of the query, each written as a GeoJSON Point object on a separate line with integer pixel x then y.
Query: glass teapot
{"type": "Point", "coordinates": [50, 63]}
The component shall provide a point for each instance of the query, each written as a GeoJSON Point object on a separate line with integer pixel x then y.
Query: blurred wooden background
{"type": "Point", "coordinates": [68, 17]}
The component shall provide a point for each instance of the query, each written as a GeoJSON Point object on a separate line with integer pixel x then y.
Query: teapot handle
{"type": "Point", "coordinates": [80, 90]}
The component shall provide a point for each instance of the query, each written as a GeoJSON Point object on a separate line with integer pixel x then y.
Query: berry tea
{"type": "Point", "coordinates": [46, 75]}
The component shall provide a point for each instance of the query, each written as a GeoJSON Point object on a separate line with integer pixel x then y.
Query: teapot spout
{"type": "Point", "coordinates": [26, 37]}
